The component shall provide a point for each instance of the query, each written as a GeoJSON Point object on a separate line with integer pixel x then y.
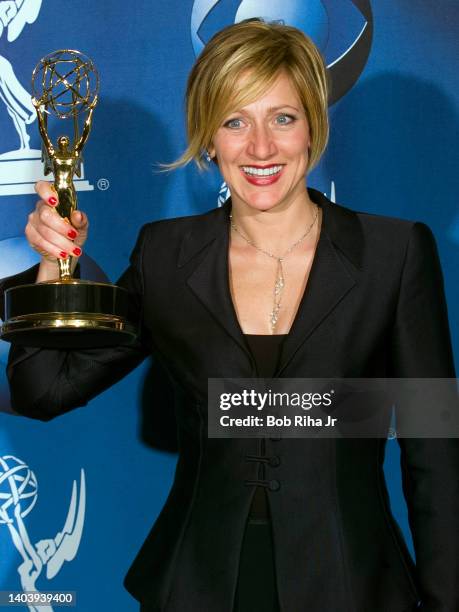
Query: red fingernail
{"type": "Point", "coordinates": [72, 234]}
{"type": "Point", "coordinates": [52, 200]}
{"type": "Point", "coordinates": [63, 254]}
{"type": "Point", "coordinates": [77, 251]}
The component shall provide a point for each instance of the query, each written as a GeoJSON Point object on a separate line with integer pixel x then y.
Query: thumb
{"type": "Point", "coordinates": [79, 220]}
{"type": "Point", "coordinates": [80, 223]}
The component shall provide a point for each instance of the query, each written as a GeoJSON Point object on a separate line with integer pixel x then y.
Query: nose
{"type": "Point", "coordinates": [261, 143]}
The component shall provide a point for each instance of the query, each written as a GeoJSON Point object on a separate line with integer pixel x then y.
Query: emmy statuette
{"type": "Point", "coordinates": [66, 312]}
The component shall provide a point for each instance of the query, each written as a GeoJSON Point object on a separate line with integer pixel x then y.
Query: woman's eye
{"type": "Point", "coordinates": [285, 119]}
{"type": "Point", "coordinates": [233, 123]}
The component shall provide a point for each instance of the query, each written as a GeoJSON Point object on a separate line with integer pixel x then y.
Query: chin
{"type": "Point", "coordinates": [265, 204]}
{"type": "Point", "coordinates": [262, 201]}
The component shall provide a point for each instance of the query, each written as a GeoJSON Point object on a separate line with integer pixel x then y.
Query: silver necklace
{"type": "Point", "coordinates": [280, 279]}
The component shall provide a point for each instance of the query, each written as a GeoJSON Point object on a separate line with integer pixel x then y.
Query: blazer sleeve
{"type": "Point", "coordinates": [45, 383]}
{"type": "Point", "coordinates": [421, 348]}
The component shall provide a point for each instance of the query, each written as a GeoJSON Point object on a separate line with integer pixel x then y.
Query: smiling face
{"type": "Point", "coordinates": [262, 149]}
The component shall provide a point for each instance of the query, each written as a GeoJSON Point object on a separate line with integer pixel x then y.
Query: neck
{"type": "Point", "coordinates": [277, 228]}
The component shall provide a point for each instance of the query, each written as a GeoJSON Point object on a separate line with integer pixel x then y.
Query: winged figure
{"type": "Point", "coordinates": [49, 554]}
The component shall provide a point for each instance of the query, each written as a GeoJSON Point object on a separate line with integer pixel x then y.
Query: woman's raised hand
{"type": "Point", "coordinates": [51, 235]}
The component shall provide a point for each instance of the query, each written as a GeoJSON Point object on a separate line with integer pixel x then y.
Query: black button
{"type": "Point", "coordinates": [274, 461]}
{"type": "Point", "coordinates": [274, 485]}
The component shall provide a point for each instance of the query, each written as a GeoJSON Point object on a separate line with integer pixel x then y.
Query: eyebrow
{"type": "Point", "coordinates": [276, 108]}
{"type": "Point", "coordinates": [271, 109]}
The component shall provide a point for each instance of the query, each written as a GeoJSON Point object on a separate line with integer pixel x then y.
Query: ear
{"type": "Point", "coordinates": [211, 151]}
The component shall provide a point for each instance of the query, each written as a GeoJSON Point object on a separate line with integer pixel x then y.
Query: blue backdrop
{"type": "Point", "coordinates": [394, 123]}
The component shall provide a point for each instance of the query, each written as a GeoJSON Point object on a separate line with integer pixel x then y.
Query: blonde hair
{"type": "Point", "coordinates": [259, 51]}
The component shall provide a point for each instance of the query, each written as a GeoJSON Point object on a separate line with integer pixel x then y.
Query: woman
{"type": "Point", "coordinates": [277, 282]}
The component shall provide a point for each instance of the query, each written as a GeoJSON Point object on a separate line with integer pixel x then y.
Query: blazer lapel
{"type": "Point", "coordinates": [330, 278]}
{"type": "Point", "coordinates": [209, 279]}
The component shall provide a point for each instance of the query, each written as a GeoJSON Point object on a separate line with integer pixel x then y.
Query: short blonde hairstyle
{"type": "Point", "coordinates": [259, 51]}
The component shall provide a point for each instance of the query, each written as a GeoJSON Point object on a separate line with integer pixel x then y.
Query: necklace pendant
{"type": "Point", "coordinates": [279, 285]}
{"type": "Point", "coordinates": [280, 282]}
{"type": "Point", "coordinates": [274, 317]}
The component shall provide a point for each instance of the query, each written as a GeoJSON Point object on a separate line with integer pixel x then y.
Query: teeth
{"type": "Point", "coordinates": [261, 171]}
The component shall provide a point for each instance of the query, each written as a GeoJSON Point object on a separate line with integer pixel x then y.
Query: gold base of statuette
{"type": "Point", "coordinates": [67, 314]}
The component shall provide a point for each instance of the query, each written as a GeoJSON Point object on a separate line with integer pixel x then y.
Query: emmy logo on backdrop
{"type": "Point", "coordinates": [20, 166]}
{"type": "Point", "coordinates": [18, 495]}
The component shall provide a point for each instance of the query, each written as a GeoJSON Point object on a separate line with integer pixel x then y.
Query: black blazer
{"type": "Point", "coordinates": [374, 307]}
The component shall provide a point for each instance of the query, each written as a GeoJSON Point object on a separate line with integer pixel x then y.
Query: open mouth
{"type": "Point", "coordinates": [262, 176]}
{"type": "Point", "coordinates": [262, 172]}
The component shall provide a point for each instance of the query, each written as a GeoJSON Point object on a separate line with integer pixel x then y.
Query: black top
{"type": "Point", "coordinates": [266, 351]}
